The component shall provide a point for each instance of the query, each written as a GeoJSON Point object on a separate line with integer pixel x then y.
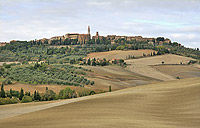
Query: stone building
{"type": "Point", "coordinates": [97, 37]}
{"type": "Point", "coordinates": [84, 38]}
{"type": "Point", "coordinates": [110, 37]}
{"type": "Point", "coordinates": [71, 36]}
{"type": "Point", "coordinates": [44, 40]}
{"type": "Point", "coordinates": [3, 43]}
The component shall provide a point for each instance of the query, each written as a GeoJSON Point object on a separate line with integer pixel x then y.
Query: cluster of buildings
{"type": "Point", "coordinates": [81, 38]}
{"type": "Point", "coordinates": [84, 38]}
{"type": "Point", "coordinates": [138, 39]}
{"type": "Point", "coordinates": [3, 43]}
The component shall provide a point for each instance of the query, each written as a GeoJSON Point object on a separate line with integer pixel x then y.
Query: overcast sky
{"type": "Point", "coordinates": [178, 20]}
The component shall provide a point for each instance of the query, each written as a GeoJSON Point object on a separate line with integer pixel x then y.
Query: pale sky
{"type": "Point", "coordinates": [178, 20]}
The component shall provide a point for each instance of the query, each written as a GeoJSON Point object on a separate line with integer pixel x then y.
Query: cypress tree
{"type": "Point", "coordinates": [35, 96]}
{"type": "Point", "coordinates": [93, 63]}
{"type": "Point", "coordinates": [2, 94]}
{"type": "Point", "coordinates": [38, 96]}
{"type": "Point", "coordinates": [21, 94]}
{"type": "Point", "coordinates": [89, 62]}
{"type": "Point", "coordinates": [10, 93]}
{"type": "Point", "coordinates": [110, 89]}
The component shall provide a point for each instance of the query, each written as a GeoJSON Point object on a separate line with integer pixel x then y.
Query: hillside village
{"type": "Point", "coordinates": [100, 64]}
{"type": "Point", "coordinates": [86, 38]}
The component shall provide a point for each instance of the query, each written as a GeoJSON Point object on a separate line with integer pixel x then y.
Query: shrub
{"type": "Point", "coordinates": [8, 101]}
{"type": "Point", "coordinates": [192, 62]}
{"type": "Point", "coordinates": [92, 92]}
{"type": "Point", "coordinates": [92, 83]}
{"type": "Point", "coordinates": [26, 99]}
{"type": "Point", "coordinates": [67, 93]}
{"type": "Point", "coordinates": [9, 82]}
{"type": "Point", "coordinates": [85, 92]}
{"type": "Point", "coordinates": [87, 82]}
{"type": "Point", "coordinates": [110, 89]}
{"type": "Point", "coordinates": [8, 94]}
{"type": "Point", "coordinates": [49, 95]}
{"type": "Point", "coordinates": [121, 47]}
{"type": "Point", "coordinates": [15, 93]}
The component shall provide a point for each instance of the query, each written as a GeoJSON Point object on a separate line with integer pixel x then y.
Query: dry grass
{"type": "Point", "coordinates": [144, 67]}
{"type": "Point", "coordinates": [118, 54]}
{"type": "Point", "coordinates": [40, 88]}
{"type": "Point", "coordinates": [182, 71]}
{"type": "Point", "coordinates": [163, 105]}
{"type": "Point", "coordinates": [59, 46]}
{"type": "Point", "coordinates": [140, 72]}
{"type": "Point", "coordinates": [115, 76]}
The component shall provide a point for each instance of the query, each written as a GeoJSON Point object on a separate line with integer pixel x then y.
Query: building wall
{"type": "Point", "coordinates": [83, 38]}
{"type": "Point", "coordinates": [71, 36]}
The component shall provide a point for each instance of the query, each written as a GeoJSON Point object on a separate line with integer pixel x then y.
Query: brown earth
{"type": "Point", "coordinates": [144, 67]}
{"type": "Point", "coordinates": [40, 88]}
{"type": "Point", "coordinates": [181, 71]}
{"type": "Point", "coordinates": [174, 104]}
{"type": "Point", "coordinates": [118, 54]}
{"type": "Point", "coordinates": [138, 72]}
{"type": "Point", "coordinates": [116, 77]}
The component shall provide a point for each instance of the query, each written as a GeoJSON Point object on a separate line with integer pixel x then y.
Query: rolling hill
{"type": "Point", "coordinates": [144, 66]}
{"type": "Point", "coordinates": [166, 104]}
{"type": "Point", "coordinates": [119, 54]}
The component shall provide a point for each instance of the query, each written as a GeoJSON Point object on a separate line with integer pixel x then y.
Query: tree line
{"type": "Point", "coordinates": [12, 96]}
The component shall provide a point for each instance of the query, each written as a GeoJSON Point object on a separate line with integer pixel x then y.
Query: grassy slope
{"type": "Point", "coordinates": [115, 76]}
{"type": "Point", "coordinates": [182, 71]}
{"type": "Point", "coordinates": [167, 104]}
{"type": "Point", "coordinates": [40, 88]}
{"type": "Point", "coordinates": [118, 54]}
{"type": "Point", "coordinates": [144, 67]}
{"type": "Point", "coordinates": [139, 72]}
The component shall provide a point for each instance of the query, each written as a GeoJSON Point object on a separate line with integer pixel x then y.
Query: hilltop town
{"type": "Point", "coordinates": [87, 38]}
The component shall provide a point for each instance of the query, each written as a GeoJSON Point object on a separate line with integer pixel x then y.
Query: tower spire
{"type": "Point", "coordinates": [88, 29]}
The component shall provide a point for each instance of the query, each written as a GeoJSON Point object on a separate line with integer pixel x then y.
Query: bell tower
{"type": "Point", "coordinates": [89, 30]}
